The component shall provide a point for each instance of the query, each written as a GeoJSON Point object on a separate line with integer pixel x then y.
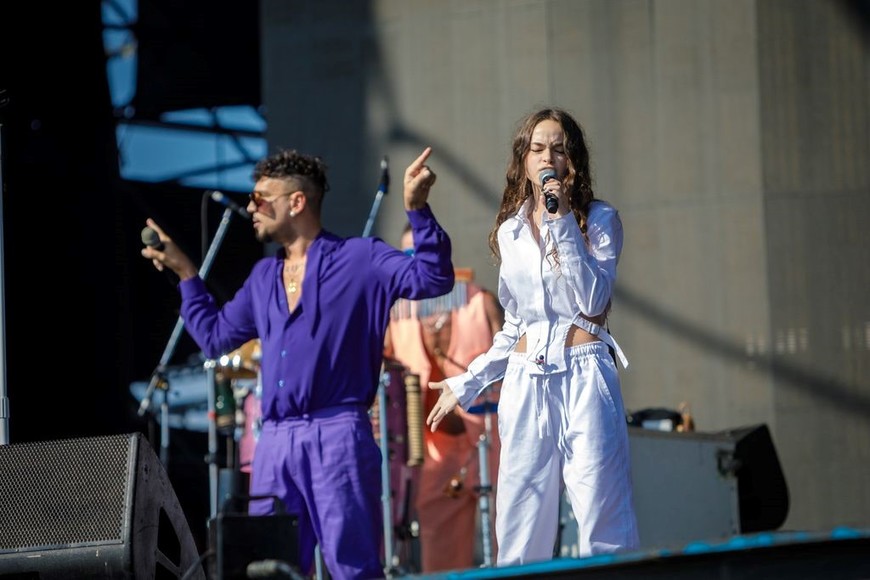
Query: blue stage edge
{"type": "Point", "coordinates": [842, 553]}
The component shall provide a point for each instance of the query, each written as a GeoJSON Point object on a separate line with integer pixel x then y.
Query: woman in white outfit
{"type": "Point", "coordinates": [561, 416]}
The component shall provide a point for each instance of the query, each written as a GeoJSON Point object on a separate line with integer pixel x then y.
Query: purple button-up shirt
{"type": "Point", "coordinates": [329, 350]}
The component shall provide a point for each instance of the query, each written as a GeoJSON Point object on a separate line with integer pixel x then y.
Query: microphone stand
{"type": "Point", "coordinates": [386, 500]}
{"type": "Point", "coordinates": [158, 379]}
{"type": "Point", "coordinates": [386, 489]}
{"type": "Point", "coordinates": [485, 488]}
{"type": "Point", "coordinates": [383, 187]}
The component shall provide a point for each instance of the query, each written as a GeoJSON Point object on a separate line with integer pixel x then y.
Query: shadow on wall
{"type": "Point", "coordinates": [842, 395]}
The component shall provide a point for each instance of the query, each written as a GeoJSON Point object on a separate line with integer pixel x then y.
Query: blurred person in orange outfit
{"type": "Point", "coordinates": [436, 338]}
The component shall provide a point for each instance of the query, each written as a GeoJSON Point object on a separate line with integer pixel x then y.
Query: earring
{"type": "Point", "coordinates": [291, 213]}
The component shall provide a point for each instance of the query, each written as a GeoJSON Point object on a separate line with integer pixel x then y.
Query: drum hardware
{"type": "Point", "coordinates": [386, 496]}
{"type": "Point", "coordinates": [224, 404]}
{"type": "Point", "coordinates": [185, 389]}
{"type": "Point", "coordinates": [484, 490]}
{"type": "Point", "coordinates": [250, 426]}
{"type": "Point", "coordinates": [397, 421]}
{"type": "Point", "coordinates": [242, 363]}
{"type": "Point", "coordinates": [224, 375]}
{"type": "Point", "coordinates": [182, 387]}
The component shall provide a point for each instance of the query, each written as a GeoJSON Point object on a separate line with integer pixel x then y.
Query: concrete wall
{"type": "Point", "coordinates": [733, 136]}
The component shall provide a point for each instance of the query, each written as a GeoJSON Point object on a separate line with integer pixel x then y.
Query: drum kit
{"type": "Point", "coordinates": [220, 397]}
{"type": "Point", "coordinates": [237, 404]}
{"type": "Point", "coordinates": [184, 388]}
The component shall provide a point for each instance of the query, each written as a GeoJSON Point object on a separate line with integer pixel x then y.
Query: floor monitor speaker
{"type": "Point", "coordinates": [99, 507]}
{"type": "Point", "coordinates": [761, 487]}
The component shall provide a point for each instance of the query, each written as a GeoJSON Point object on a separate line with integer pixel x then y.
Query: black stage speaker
{"type": "Point", "coordinates": [698, 486]}
{"type": "Point", "coordinates": [253, 546]}
{"type": "Point", "coordinates": [761, 487]}
{"type": "Point", "coordinates": [97, 507]}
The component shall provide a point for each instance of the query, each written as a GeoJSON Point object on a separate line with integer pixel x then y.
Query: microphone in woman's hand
{"type": "Point", "coordinates": [550, 199]}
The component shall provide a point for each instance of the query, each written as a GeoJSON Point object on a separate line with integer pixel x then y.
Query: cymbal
{"type": "Point", "coordinates": [242, 363]}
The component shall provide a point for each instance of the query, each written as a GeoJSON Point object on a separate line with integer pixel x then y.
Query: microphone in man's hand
{"type": "Point", "coordinates": [550, 199]}
{"type": "Point", "coordinates": [227, 202]}
{"type": "Point", "coordinates": [151, 239]}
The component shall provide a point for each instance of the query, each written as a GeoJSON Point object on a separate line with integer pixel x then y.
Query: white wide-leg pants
{"type": "Point", "coordinates": [569, 426]}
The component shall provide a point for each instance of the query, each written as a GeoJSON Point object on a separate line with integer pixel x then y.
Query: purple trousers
{"type": "Point", "coordinates": [326, 468]}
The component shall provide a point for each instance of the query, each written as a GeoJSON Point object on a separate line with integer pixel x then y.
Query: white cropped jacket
{"type": "Point", "coordinates": [542, 298]}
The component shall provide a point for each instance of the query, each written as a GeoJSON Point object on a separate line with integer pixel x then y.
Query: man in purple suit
{"type": "Point", "coordinates": [320, 308]}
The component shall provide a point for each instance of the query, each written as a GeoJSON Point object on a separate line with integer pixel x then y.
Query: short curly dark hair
{"type": "Point", "coordinates": [309, 170]}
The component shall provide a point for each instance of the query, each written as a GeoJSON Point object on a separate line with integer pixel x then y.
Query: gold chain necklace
{"type": "Point", "coordinates": [292, 269]}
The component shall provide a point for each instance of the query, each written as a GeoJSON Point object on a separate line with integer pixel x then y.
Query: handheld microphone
{"type": "Point", "coordinates": [384, 185]}
{"type": "Point", "coordinates": [151, 239]}
{"type": "Point", "coordinates": [550, 200]}
{"type": "Point", "coordinates": [227, 202]}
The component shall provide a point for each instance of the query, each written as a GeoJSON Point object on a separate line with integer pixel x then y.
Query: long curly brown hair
{"type": "Point", "coordinates": [518, 188]}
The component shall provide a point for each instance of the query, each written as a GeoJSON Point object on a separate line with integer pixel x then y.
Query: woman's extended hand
{"type": "Point", "coordinates": [445, 404]}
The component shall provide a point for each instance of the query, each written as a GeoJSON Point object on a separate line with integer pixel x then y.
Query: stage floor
{"type": "Point", "coordinates": [842, 553]}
